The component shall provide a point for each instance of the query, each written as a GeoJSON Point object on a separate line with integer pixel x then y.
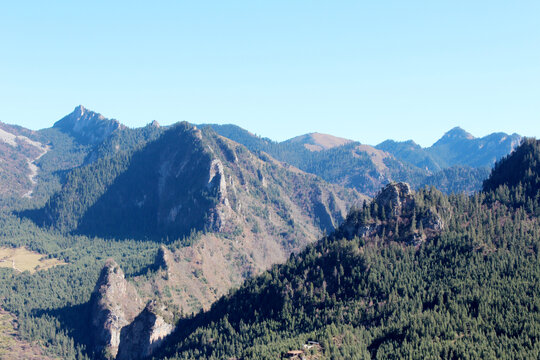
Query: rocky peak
{"type": "Point", "coordinates": [144, 335]}
{"type": "Point", "coordinates": [453, 135]}
{"type": "Point", "coordinates": [155, 124]}
{"type": "Point", "coordinates": [86, 126]}
{"type": "Point", "coordinates": [396, 214]}
{"type": "Point", "coordinates": [394, 196]}
{"type": "Point", "coordinates": [114, 304]}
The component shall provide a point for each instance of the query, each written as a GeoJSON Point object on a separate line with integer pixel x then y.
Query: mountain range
{"type": "Point", "coordinates": [458, 162]}
{"type": "Point", "coordinates": [33, 161]}
{"type": "Point", "coordinates": [189, 212]}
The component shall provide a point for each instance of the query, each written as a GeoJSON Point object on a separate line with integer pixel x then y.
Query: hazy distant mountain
{"type": "Point", "coordinates": [367, 168]}
{"type": "Point", "coordinates": [318, 141]}
{"type": "Point", "coordinates": [455, 148]}
{"type": "Point", "coordinates": [412, 153]}
{"type": "Point", "coordinates": [458, 147]}
{"type": "Point", "coordinates": [86, 126]}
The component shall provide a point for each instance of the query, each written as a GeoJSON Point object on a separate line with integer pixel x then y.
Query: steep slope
{"type": "Point", "coordinates": [20, 149]}
{"type": "Point", "coordinates": [410, 275]}
{"type": "Point", "coordinates": [225, 213]}
{"type": "Point", "coordinates": [141, 338]}
{"type": "Point", "coordinates": [11, 344]}
{"type": "Point", "coordinates": [350, 164]}
{"type": "Point", "coordinates": [83, 185]}
{"type": "Point", "coordinates": [519, 170]}
{"type": "Point", "coordinates": [33, 163]}
{"type": "Point", "coordinates": [87, 126]}
{"type": "Point", "coordinates": [188, 180]}
{"type": "Point", "coordinates": [114, 304]}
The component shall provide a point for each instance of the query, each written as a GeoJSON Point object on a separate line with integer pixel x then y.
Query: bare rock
{"type": "Point", "coordinates": [394, 196]}
{"type": "Point", "coordinates": [144, 335]}
{"type": "Point", "coordinates": [87, 126]}
{"type": "Point", "coordinates": [114, 304]}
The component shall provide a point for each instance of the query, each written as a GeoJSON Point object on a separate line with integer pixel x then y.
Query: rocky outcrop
{"type": "Point", "coordinates": [144, 335]}
{"type": "Point", "coordinates": [395, 196]}
{"type": "Point", "coordinates": [395, 215]}
{"type": "Point", "coordinates": [113, 305]}
{"type": "Point", "coordinates": [87, 126]}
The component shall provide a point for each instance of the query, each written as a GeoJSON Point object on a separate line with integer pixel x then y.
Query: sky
{"type": "Point", "coordinates": [363, 70]}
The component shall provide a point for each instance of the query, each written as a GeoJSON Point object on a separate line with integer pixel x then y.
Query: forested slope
{"type": "Point", "coordinates": [411, 275]}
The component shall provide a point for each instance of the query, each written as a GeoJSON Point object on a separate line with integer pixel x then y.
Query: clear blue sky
{"type": "Point", "coordinates": [365, 70]}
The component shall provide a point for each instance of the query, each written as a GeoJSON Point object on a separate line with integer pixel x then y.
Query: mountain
{"type": "Point", "coordinates": [409, 275]}
{"type": "Point", "coordinates": [224, 213]}
{"type": "Point", "coordinates": [318, 141]}
{"type": "Point", "coordinates": [455, 148]}
{"type": "Point", "coordinates": [35, 170]}
{"type": "Point", "coordinates": [366, 168]}
{"type": "Point", "coordinates": [86, 126]}
{"type": "Point", "coordinates": [187, 215]}
{"type": "Point", "coordinates": [189, 179]}
{"type": "Point", "coordinates": [412, 153]}
{"type": "Point", "coordinates": [33, 163]}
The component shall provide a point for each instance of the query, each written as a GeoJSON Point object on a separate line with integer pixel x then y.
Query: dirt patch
{"type": "Point", "coordinates": [377, 156]}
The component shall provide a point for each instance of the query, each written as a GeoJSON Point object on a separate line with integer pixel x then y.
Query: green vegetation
{"type": "Point", "coordinates": [444, 277]}
{"type": "Point", "coordinates": [50, 304]}
{"type": "Point", "coordinates": [84, 185]}
{"type": "Point", "coordinates": [468, 291]}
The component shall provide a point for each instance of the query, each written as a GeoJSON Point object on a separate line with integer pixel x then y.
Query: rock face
{"type": "Point", "coordinates": [144, 335]}
{"type": "Point", "coordinates": [192, 179]}
{"type": "Point", "coordinates": [394, 196]}
{"type": "Point", "coordinates": [396, 215]}
{"type": "Point", "coordinates": [87, 126]}
{"type": "Point", "coordinates": [113, 305]}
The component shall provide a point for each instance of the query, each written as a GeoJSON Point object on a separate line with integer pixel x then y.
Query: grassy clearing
{"type": "Point", "coordinates": [22, 259]}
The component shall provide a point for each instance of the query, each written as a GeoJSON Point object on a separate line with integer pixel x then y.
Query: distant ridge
{"type": "Point", "coordinates": [87, 126]}
{"type": "Point", "coordinates": [317, 141]}
{"type": "Point", "coordinates": [456, 147]}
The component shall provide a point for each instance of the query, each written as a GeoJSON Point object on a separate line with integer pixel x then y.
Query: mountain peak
{"type": "Point", "coordinates": [87, 126]}
{"type": "Point", "coordinates": [457, 133]}
{"type": "Point", "coordinates": [317, 141]}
